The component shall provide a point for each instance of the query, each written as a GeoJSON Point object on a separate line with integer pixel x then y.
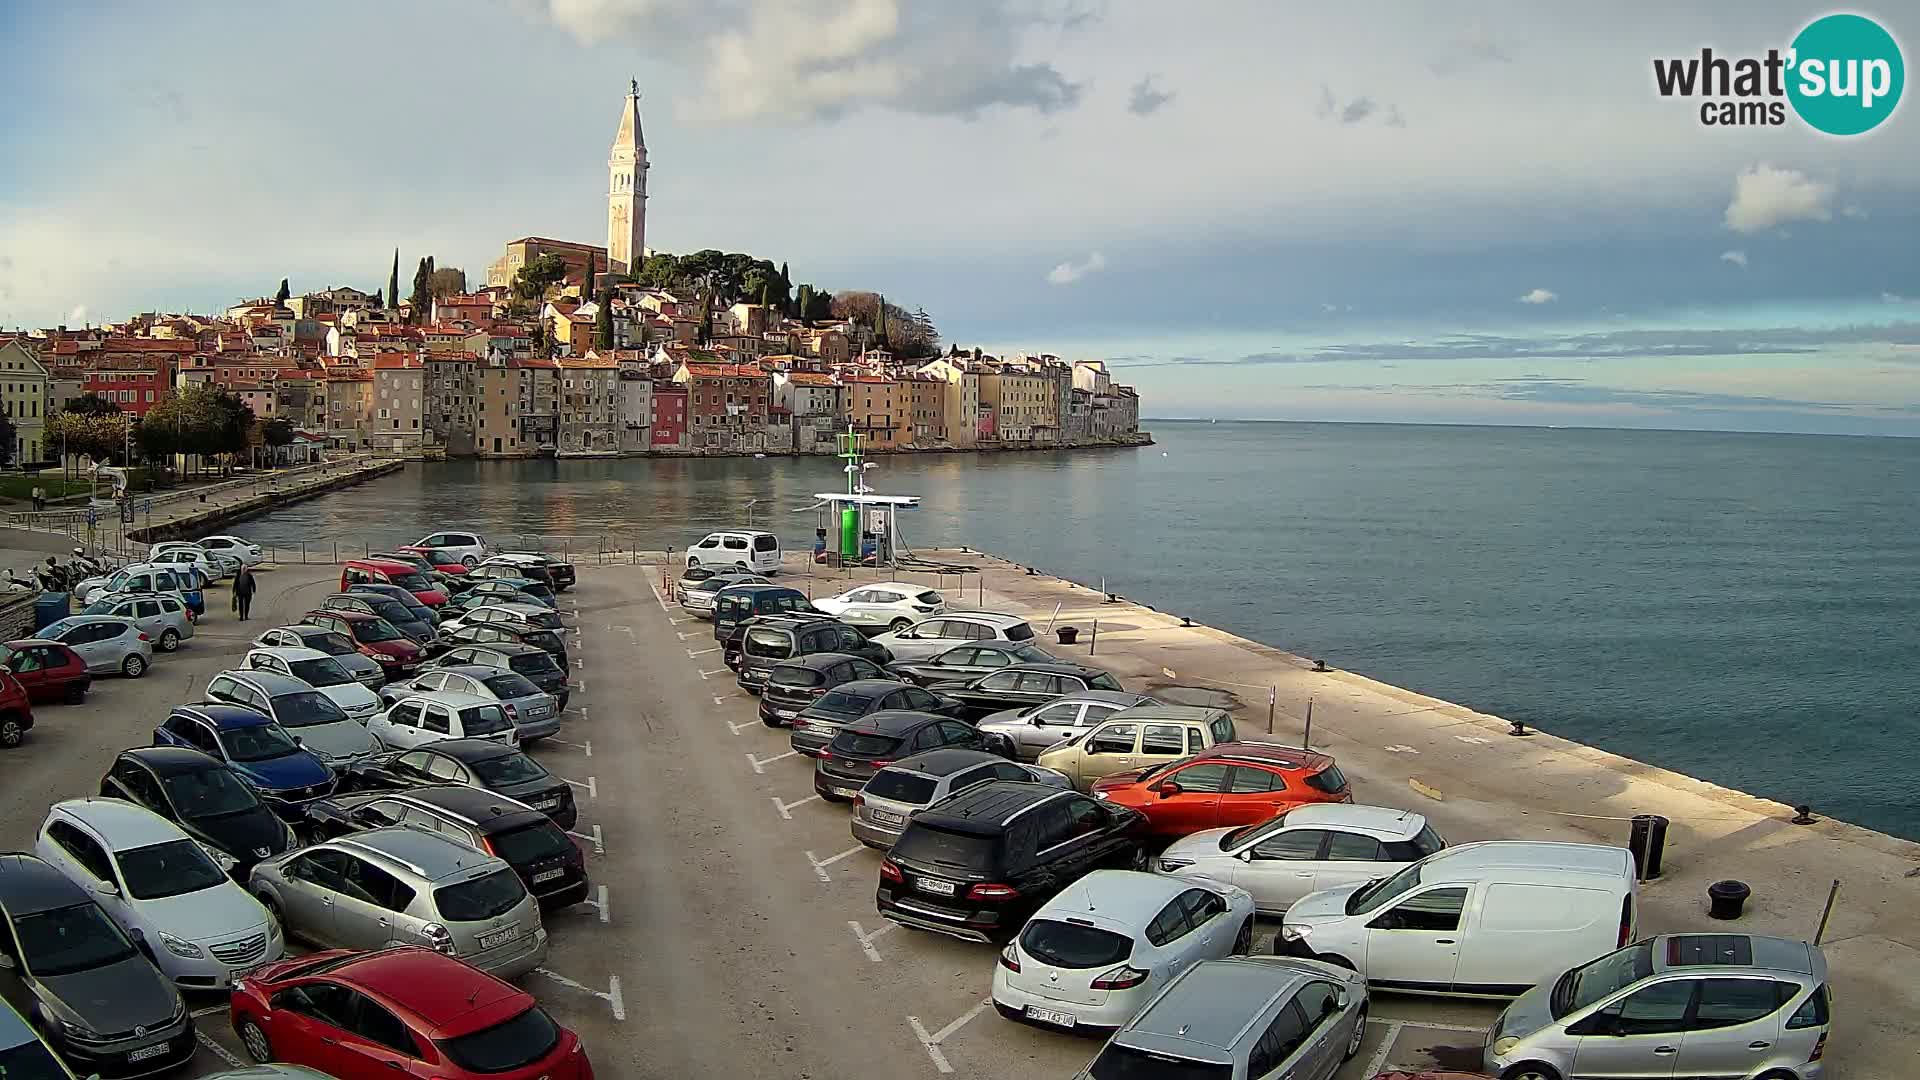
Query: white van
{"type": "Point", "coordinates": [1490, 919]}
{"type": "Point", "coordinates": [737, 549]}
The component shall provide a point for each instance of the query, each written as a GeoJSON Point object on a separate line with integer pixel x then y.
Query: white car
{"type": "Point", "coordinates": [168, 893]}
{"type": "Point", "coordinates": [467, 547]}
{"type": "Point", "coordinates": [512, 616]}
{"type": "Point", "coordinates": [139, 577]}
{"type": "Point", "coordinates": [433, 716]}
{"type": "Point", "coordinates": [1313, 847]}
{"type": "Point", "coordinates": [323, 673]}
{"type": "Point", "coordinates": [238, 547]}
{"type": "Point", "coordinates": [893, 605]}
{"type": "Point", "coordinates": [186, 555]}
{"type": "Point", "coordinates": [1097, 952]}
{"type": "Point", "coordinates": [747, 550]}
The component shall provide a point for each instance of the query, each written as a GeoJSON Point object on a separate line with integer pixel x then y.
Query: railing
{"type": "Point", "coordinates": [598, 549]}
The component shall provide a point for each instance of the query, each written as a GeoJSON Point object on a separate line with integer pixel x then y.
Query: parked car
{"type": "Point", "coordinates": [766, 641]}
{"type": "Point", "coordinates": [458, 1022]}
{"type": "Point", "coordinates": [467, 548]}
{"type": "Point", "coordinates": [517, 566]}
{"type": "Point", "coordinates": [1734, 1005]}
{"type": "Point", "coordinates": [1144, 736]}
{"type": "Point", "coordinates": [376, 638]}
{"type": "Point", "coordinates": [513, 615]}
{"type": "Point", "coordinates": [510, 575]}
{"type": "Point", "coordinates": [433, 715]}
{"type": "Point", "coordinates": [910, 785]}
{"type": "Point", "coordinates": [697, 595]}
{"type": "Point", "coordinates": [323, 673]}
{"type": "Point", "coordinates": [203, 796]}
{"type": "Point", "coordinates": [398, 615]}
{"type": "Point", "coordinates": [420, 612]}
{"type": "Point", "coordinates": [305, 713]}
{"type": "Point", "coordinates": [1242, 1018]}
{"type": "Point", "coordinates": [188, 560]}
{"type": "Point", "coordinates": [1237, 783]}
{"type": "Point", "coordinates": [164, 618]}
{"type": "Point", "coordinates": [793, 685]}
{"type": "Point", "coordinates": [406, 886]}
{"type": "Point", "coordinates": [741, 549]}
{"type": "Point", "coordinates": [534, 712]}
{"type": "Point", "coordinates": [534, 663]}
{"type": "Point", "coordinates": [238, 547]}
{"type": "Point", "coordinates": [884, 605]}
{"type": "Point", "coordinates": [525, 838]}
{"type": "Point", "coordinates": [144, 578]}
{"type": "Point", "coordinates": [1102, 947]}
{"type": "Point", "coordinates": [388, 572]}
{"type": "Point", "coordinates": [1036, 728]}
{"type": "Point", "coordinates": [286, 775]}
{"type": "Point", "coordinates": [964, 663]}
{"type": "Point", "coordinates": [1024, 685]}
{"type": "Point", "coordinates": [932, 636]}
{"type": "Point", "coordinates": [48, 670]}
{"type": "Point", "coordinates": [979, 864]}
{"type": "Point", "coordinates": [108, 643]}
{"type": "Point", "coordinates": [439, 560]}
{"type": "Point", "coordinates": [1487, 919]}
{"type": "Point", "coordinates": [484, 591]}
{"type": "Point", "coordinates": [474, 762]}
{"type": "Point", "coordinates": [878, 740]}
{"type": "Point", "coordinates": [560, 573]}
{"type": "Point", "coordinates": [733, 646]}
{"type": "Point", "coordinates": [103, 1006]}
{"type": "Point", "coordinates": [163, 889]}
{"type": "Point", "coordinates": [1317, 846]}
{"type": "Point", "coordinates": [490, 633]}
{"type": "Point", "coordinates": [818, 723]}
{"type": "Point", "coordinates": [16, 712]}
{"type": "Point", "coordinates": [365, 669]}
{"type": "Point", "coordinates": [735, 604]}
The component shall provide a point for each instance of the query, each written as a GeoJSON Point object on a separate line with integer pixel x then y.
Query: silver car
{"type": "Point", "coordinates": [1037, 727]}
{"type": "Point", "coordinates": [1682, 1005]}
{"type": "Point", "coordinates": [912, 784]}
{"type": "Point", "coordinates": [106, 642]}
{"type": "Point", "coordinates": [697, 597]}
{"type": "Point", "coordinates": [364, 669]}
{"type": "Point", "coordinates": [942, 632]}
{"type": "Point", "coordinates": [406, 886]}
{"type": "Point", "coordinates": [322, 726]}
{"type": "Point", "coordinates": [535, 715]}
{"type": "Point", "coordinates": [162, 617]}
{"type": "Point", "coordinates": [1245, 1018]}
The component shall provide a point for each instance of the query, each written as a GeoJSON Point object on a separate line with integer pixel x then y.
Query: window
{"type": "Point", "coordinates": [1052, 825]}
{"type": "Point", "coordinates": [1166, 740]}
{"type": "Point", "coordinates": [1726, 1002]}
{"type": "Point", "coordinates": [1201, 779]}
{"type": "Point", "coordinates": [1435, 911]}
{"type": "Point", "coordinates": [1170, 925]}
{"type": "Point", "coordinates": [1202, 906]}
{"type": "Point", "coordinates": [1298, 845]}
{"type": "Point", "coordinates": [375, 1024]}
{"type": "Point", "coordinates": [83, 848]}
{"type": "Point", "coordinates": [1196, 741]}
{"type": "Point", "coordinates": [1249, 780]}
{"type": "Point", "coordinates": [1112, 739]}
{"type": "Point", "coordinates": [405, 714]}
{"type": "Point", "coordinates": [1317, 1001]}
{"type": "Point", "coordinates": [1652, 1010]}
{"type": "Point", "coordinates": [1283, 1036]}
{"type": "Point", "coordinates": [1037, 682]}
{"type": "Point", "coordinates": [1352, 847]}
{"type": "Point", "coordinates": [365, 881]}
{"type": "Point", "coordinates": [1811, 1013]}
{"type": "Point", "coordinates": [437, 720]}
{"type": "Point", "coordinates": [1222, 727]}
{"type": "Point", "coordinates": [1086, 815]}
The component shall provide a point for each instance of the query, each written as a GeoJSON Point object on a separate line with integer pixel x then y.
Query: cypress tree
{"type": "Point", "coordinates": [766, 289]}
{"type": "Point", "coordinates": [281, 296]}
{"type": "Point", "coordinates": [803, 301]}
{"type": "Point", "coordinates": [786, 290]}
{"type": "Point", "coordinates": [880, 322]}
{"type": "Point", "coordinates": [603, 318]}
{"type": "Point", "coordinates": [393, 283]}
{"type": "Point", "coordinates": [586, 289]}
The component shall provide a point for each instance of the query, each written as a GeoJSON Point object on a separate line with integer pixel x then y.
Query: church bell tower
{"type": "Point", "coordinates": [627, 188]}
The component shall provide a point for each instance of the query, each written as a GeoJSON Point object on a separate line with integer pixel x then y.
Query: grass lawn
{"type": "Point", "coordinates": [20, 485]}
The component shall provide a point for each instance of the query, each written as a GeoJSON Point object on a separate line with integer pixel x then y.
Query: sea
{"type": "Point", "coordinates": [1737, 607]}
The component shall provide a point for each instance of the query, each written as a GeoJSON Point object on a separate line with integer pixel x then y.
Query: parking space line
{"type": "Point", "coordinates": [684, 635]}
{"type": "Point", "coordinates": [1422, 1025]}
{"type": "Point", "coordinates": [598, 842]}
{"type": "Point", "coordinates": [693, 654]}
{"type": "Point", "coordinates": [592, 786]}
{"type": "Point", "coordinates": [611, 995]}
{"type": "Point", "coordinates": [866, 940]}
{"type": "Point", "coordinates": [760, 764]}
{"type": "Point", "coordinates": [785, 807]}
{"type": "Point", "coordinates": [584, 747]}
{"type": "Point", "coordinates": [820, 865]}
{"type": "Point", "coordinates": [716, 671]}
{"type": "Point", "coordinates": [1380, 1056]}
{"type": "Point", "coordinates": [599, 904]}
{"type": "Point", "coordinates": [932, 1042]}
{"type": "Point", "coordinates": [738, 728]}
{"type": "Point", "coordinates": [219, 1051]}
{"type": "Point", "coordinates": [671, 621]}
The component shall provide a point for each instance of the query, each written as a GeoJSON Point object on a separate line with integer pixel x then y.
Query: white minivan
{"type": "Point", "coordinates": [737, 549]}
{"type": "Point", "coordinates": [1490, 919]}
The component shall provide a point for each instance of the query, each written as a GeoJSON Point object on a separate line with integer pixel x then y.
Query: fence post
{"type": "Point", "coordinates": [1306, 738]}
{"type": "Point", "coordinates": [1095, 638]}
{"type": "Point", "coordinates": [1832, 895]}
{"type": "Point", "coordinates": [1273, 694]}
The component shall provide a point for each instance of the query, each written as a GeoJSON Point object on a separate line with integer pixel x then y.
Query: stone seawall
{"type": "Point", "coordinates": [197, 519]}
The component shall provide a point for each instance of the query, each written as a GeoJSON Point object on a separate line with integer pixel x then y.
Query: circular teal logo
{"type": "Point", "coordinates": [1846, 74]}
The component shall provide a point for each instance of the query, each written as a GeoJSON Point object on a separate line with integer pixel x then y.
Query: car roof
{"type": "Point", "coordinates": [943, 762]}
{"type": "Point", "coordinates": [80, 620]}
{"type": "Point", "coordinates": [302, 629]}
{"type": "Point", "coordinates": [468, 751]}
{"type": "Point", "coordinates": [1058, 667]}
{"type": "Point", "coordinates": [348, 614]}
{"type": "Point", "coordinates": [1197, 714]}
{"type": "Point", "coordinates": [1124, 698]}
{"type": "Point", "coordinates": [1380, 822]}
{"type": "Point", "coordinates": [382, 565]}
{"type": "Point", "coordinates": [26, 642]}
{"type": "Point", "coordinates": [996, 618]}
{"type": "Point", "coordinates": [817, 660]}
{"type": "Point", "coordinates": [121, 824]}
{"type": "Point", "coordinates": [1264, 753]}
{"type": "Point", "coordinates": [1116, 898]}
{"type": "Point", "coordinates": [434, 987]}
{"type": "Point", "coordinates": [451, 698]}
{"type": "Point", "coordinates": [287, 652]}
{"type": "Point", "coordinates": [504, 648]}
{"type": "Point", "coordinates": [871, 688]}
{"type": "Point", "coordinates": [891, 721]}
{"type": "Point", "coordinates": [1216, 1003]}
{"type": "Point", "coordinates": [431, 854]}
{"type": "Point", "coordinates": [274, 683]}
{"type": "Point", "coordinates": [985, 808]}
{"type": "Point", "coordinates": [172, 760]}
{"type": "Point", "coordinates": [903, 586]}
{"type": "Point", "coordinates": [1538, 857]}
{"type": "Point", "coordinates": [224, 716]}
{"type": "Point", "coordinates": [475, 804]}
{"type": "Point", "coordinates": [757, 587]}
{"type": "Point", "coordinates": [738, 532]}
{"type": "Point", "coordinates": [1735, 951]}
{"type": "Point", "coordinates": [473, 671]}
{"type": "Point", "coordinates": [29, 884]}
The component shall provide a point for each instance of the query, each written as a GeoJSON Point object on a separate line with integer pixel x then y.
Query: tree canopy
{"type": "Point", "coordinates": [93, 405]}
{"type": "Point", "coordinates": [199, 420]}
{"type": "Point", "coordinates": [535, 278]}
{"type": "Point", "coordinates": [100, 436]}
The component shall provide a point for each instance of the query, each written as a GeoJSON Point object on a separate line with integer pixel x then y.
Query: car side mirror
{"type": "Point", "coordinates": [107, 888]}
{"type": "Point", "coordinates": [1340, 1001]}
{"type": "Point", "coordinates": [298, 741]}
{"type": "Point", "coordinates": [1168, 789]}
{"type": "Point", "coordinates": [1039, 721]}
{"type": "Point", "coordinates": [1604, 1022]}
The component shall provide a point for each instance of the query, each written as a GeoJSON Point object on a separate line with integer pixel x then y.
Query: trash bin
{"type": "Point", "coordinates": [1647, 841]}
{"type": "Point", "coordinates": [1726, 898]}
{"type": "Point", "coordinates": [50, 609]}
{"type": "Point", "coordinates": [1068, 634]}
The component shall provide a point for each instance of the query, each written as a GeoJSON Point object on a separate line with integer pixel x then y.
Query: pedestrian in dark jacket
{"type": "Point", "coordinates": [243, 592]}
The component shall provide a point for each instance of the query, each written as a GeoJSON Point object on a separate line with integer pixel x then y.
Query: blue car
{"type": "Point", "coordinates": [287, 776]}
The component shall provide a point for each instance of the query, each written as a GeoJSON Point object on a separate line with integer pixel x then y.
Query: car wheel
{"type": "Point", "coordinates": [469, 561]}
{"type": "Point", "coordinates": [1359, 1035]}
{"type": "Point", "coordinates": [273, 907]}
{"type": "Point", "coordinates": [693, 562]}
{"type": "Point", "coordinates": [898, 625]}
{"type": "Point", "coordinates": [11, 733]}
{"type": "Point", "coordinates": [76, 692]}
{"type": "Point", "coordinates": [1531, 1070]}
{"type": "Point", "coordinates": [255, 1041]}
{"type": "Point", "coordinates": [133, 666]}
{"type": "Point", "coordinates": [1243, 941]}
{"type": "Point", "coordinates": [169, 639]}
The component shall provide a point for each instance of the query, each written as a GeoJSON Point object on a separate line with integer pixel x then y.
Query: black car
{"type": "Point", "coordinates": [769, 639]}
{"type": "Point", "coordinates": [738, 603]}
{"type": "Point", "coordinates": [816, 726]}
{"type": "Point", "coordinates": [547, 861]}
{"type": "Point", "coordinates": [560, 573]}
{"type": "Point", "coordinates": [1027, 684]}
{"type": "Point", "coordinates": [75, 972]}
{"type": "Point", "coordinates": [964, 663]}
{"type": "Point", "coordinates": [547, 641]}
{"type": "Point", "coordinates": [479, 763]}
{"type": "Point", "coordinates": [880, 739]}
{"type": "Point", "coordinates": [795, 684]}
{"type": "Point", "coordinates": [733, 646]}
{"type": "Point", "coordinates": [978, 864]}
{"type": "Point", "coordinates": [530, 661]}
{"type": "Point", "coordinates": [208, 800]}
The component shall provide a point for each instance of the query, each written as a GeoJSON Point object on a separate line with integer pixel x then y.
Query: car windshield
{"type": "Point", "coordinates": [1583, 986]}
{"type": "Point", "coordinates": [546, 639]}
{"type": "Point", "coordinates": [506, 1046]}
{"type": "Point", "coordinates": [534, 664]}
{"type": "Point", "coordinates": [325, 671]}
{"type": "Point", "coordinates": [102, 607]}
{"type": "Point", "coordinates": [1119, 1062]}
{"type": "Point", "coordinates": [484, 720]}
{"type": "Point", "coordinates": [925, 844]}
{"type": "Point", "coordinates": [901, 786]}
{"type": "Point", "coordinates": [839, 703]}
{"type": "Point", "coordinates": [1259, 830]}
{"type": "Point", "coordinates": [864, 744]}
{"type": "Point", "coordinates": [795, 675]}
{"type": "Point", "coordinates": [545, 620]}
{"type": "Point", "coordinates": [208, 793]}
{"type": "Point", "coordinates": [31, 1060]}
{"type": "Point", "coordinates": [412, 581]}
{"type": "Point", "coordinates": [537, 589]}
{"type": "Point", "coordinates": [1031, 654]}
{"type": "Point", "coordinates": [376, 629]}
{"type": "Point", "coordinates": [306, 708]}
{"type": "Point", "coordinates": [530, 843]}
{"type": "Point", "coordinates": [1372, 896]}
{"type": "Point", "coordinates": [771, 644]}
{"type": "Point", "coordinates": [507, 685]}
{"type": "Point", "coordinates": [1072, 945]}
{"type": "Point", "coordinates": [508, 769]}
{"type": "Point", "coordinates": [387, 607]}
{"type": "Point", "coordinates": [480, 898]}
{"type": "Point", "coordinates": [257, 742]}
{"type": "Point", "coordinates": [174, 868]}
{"type": "Point", "coordinates": [331, 643]}
{"type": "Point", "coordinates": [62, 941]}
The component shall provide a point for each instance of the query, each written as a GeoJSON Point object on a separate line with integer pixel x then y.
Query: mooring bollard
{"type": "Point", "coordinates": [1725, 899]}
{"type": "Point", "coordinates": [1647, 840]}
{"type": "Point", "coordinates": [1094, 638]}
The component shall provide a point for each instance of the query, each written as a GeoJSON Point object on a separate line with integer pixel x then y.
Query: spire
{"type": "Point", "coordinates": [629, 136]}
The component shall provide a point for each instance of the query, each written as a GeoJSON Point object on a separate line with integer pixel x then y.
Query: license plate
{"type": "Point", "coordinates": [846, 792]}
{"type": "Point", "coordinates": [499, 937]}
{"type": "Point", "coordinates": [885, 818]}
{"type": "Point", "coordinates": [548, 875]}
{"type": "Point", "coordinates": [147, 1053]}
{"type": "Point", "coordinates": [547, 804]}
{"type": "Point", "coordinates": [538, 714]}
{"type": "Point", "coordinates": [786, 714]}
{"type": "Point", "coordinates": [938, 888]}
{"type": "Point", "coordinates": [1048, 1016]}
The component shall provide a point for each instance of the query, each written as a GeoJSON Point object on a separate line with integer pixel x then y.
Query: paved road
{"type": "Point", "coordinates": [735, 935]}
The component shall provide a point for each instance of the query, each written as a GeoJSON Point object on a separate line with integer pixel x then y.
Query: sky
{"type": "Point", "coordinates": [1388, 211]}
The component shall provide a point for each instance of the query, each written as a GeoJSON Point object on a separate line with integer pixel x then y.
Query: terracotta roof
{"type": "Point", "coordinates": [394, 361]}
{"type": "Point", "coordinates": [600, 362]}
{"type": "Point", "coordinates": [451, 358]}
{"type": "Point", "coordinates": [724, 371]}
{"type": "Point", "coordinates": [535, 363]}
{"type": "Point", "coordinates": [810, 378]}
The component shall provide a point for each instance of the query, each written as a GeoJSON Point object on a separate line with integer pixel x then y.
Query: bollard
{"type": "Point", "coordinates": [1725, 899]}
{"type": "Point", "coordinates": [1068, 635]}
{"type": "Point", "coordinates": [1647, 840]}
{"type": "Point", "coordinates": [1094, 638]}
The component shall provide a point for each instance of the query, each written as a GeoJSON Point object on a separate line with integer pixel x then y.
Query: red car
{"type": "Point", "coordinates": [392, 572]}
{"type": "Point", "coordinates": [1237, 783]}
{"type": "Point", "coordinates": [372, 636]}
{"type": "Point", "coordinates": [408, 1012]}
{"type": "Point", "coordinates": [16, 712]}
{"type": "Point", "coordinates": [446, 562]}
{"type": "Point", "coordinates": [49, 670]}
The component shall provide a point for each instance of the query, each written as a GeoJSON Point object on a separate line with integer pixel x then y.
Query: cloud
{"type": "Point", "coordinates": [1736, 257]}
{"type": "Point", "coordinates": [1892, 298]}
{"type": "Point", "coordinates": [1069, 272]}
{"type": "Point", "coordinates": [1562, 391]}
{"type": "Point", "coordinates": [1540, 296]}
{"type": "Point", "coordinates": [1471, 49]}
{"type": "Point", "coordinates": [1145, 99]}
{"type": "Point", "coordinates": [816, 59]}
{"type": "Point", "coordinates": [78, 316]}
{"type": "Point", "coordinates": [1354, 110]}
{"type": "Point", "coordinates": [1764, 197]}
{"type": "Point", "coordinates": [1852, 211]}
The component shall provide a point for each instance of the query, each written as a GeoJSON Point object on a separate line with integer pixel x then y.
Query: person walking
{"type": "Point", "coordinates": [243, 592]}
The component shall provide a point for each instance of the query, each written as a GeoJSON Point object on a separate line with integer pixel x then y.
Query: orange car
{"type": "Point", "coordinates": [1237, 783]}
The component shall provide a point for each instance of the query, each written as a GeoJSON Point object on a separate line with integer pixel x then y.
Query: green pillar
{"type": "Point", "coordinates": [850, 533]}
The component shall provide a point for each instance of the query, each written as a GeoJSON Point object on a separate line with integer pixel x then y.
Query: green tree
{"type": "Point", "coordinates": [97, 435]}
{"type": "Point", "coordinates": [535, 278]}
{"type": "Point", "coordinates": [393, 283]}
{"type": "Point", "coordinates": [880, 323]}
{"type": "Point", "coordinates": [786, 290]}
{"type": "Point", "coordinates": [586, 286]}
{"type": "Point", "coordinates": [603, 322]}
{"type": "Point", "coordinates": [281, 296]}
{"type": "Point", "coordinates": [659, 271]}
{"type": "Point", "coordinates": [93, 405]}
{"type": "Point", "coordinates": [7, 440]}
{"type": "Point", "coordinates": [706, 317]}
{"type": "Point", "coordinates": [447, 281]}
{"type": "Point", "coordinates": [802, 303]}
{"type": "Point", "coordinates": [422, 296]}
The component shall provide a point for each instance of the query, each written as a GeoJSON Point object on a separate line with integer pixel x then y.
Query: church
{"type": "Point", "coordinates": [626, 244]}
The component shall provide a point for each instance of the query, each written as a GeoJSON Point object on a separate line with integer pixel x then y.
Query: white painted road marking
{"type": "Point", "coordinates": [1401, 750]}
{"type": "Point", "coordinates": [584, 747]}
{"type": "Point", "coordinates": [866, 940]}
{"type": "Point", "coordinates": [599, 842]}
{"type": "Point", "coordinates": [1379, 1062]}
{"type": "Point", "coordinates": [1474, 739]}
{"type": "Point", "coordinates": [717, 671]}
{"type": "Point", "coordinates": [218, 1051]}
{"type": "Point", "coordinates": [820, 865]}
{"type": "Point", "coordinates": [599, 905]}
{"type": "Point", "coordinates": [760, 765]}
{"type": "Point", "coordinates": [932, 1042]}
{"type": "Point", "coordinates": [684, 635]}
{"type": "Point", "coordinates": [785, 807]}
{"type": "Point", "coordinates": [696, 654]}
{"type": "Point", "coordinates": [738, 728]}
{"type": "Point", "coordinates": [592, 786]}
{"type": "Point", "coordinates": [611, 995]}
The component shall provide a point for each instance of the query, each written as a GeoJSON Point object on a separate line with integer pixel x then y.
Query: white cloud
{"type": "Point", "coordinates": [1540, 296]}
{"type": "Point", "coordinates": [1069, 272]}
{"type": "Point", "coordinates": [1892, 298]}
{"type": "Point", "coordinates": [1850, 210]}
{"type": "Point", "coordinates": [78, 316]}
{"type": "Point", "coordinates": [1145, 99]}
{"type": "Point", "coordinates": [1764, 197]}
{"type": "Point", "coordinates": [1736, 257]}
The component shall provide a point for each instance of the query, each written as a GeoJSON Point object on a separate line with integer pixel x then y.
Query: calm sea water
{"type": "Point", "coordinates": [1740, 608]}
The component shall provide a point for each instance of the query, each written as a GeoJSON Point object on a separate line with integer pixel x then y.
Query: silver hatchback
{"type": "Point", "coordinates": [1681, 1005]}
{"type": "Point", "coordinates": [912, 784]}
{"type": "Point", "coordinates": [535, 714]}
{"type": "Point", "coordinates": [162, 616]}
{"type": "Point", "coordinates": [405, 886]}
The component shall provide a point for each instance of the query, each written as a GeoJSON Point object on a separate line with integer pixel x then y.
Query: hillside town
{"type": "Point", "coordinates": [573, 350]}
